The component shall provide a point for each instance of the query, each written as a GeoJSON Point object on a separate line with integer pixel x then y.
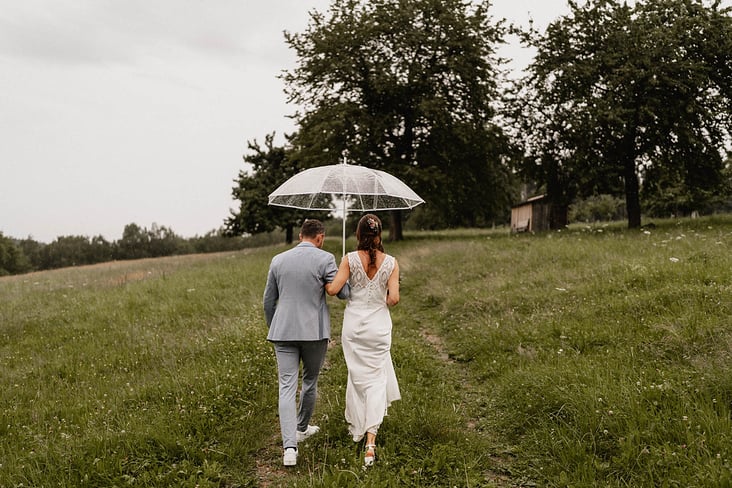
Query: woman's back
{"type": "Point", "coordinates": [369, 285]}
{"type": "Point", "coordinates": [369, 289]}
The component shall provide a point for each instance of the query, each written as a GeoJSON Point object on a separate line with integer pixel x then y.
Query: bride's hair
{"type": "Point", "coordinates": [368, 233]}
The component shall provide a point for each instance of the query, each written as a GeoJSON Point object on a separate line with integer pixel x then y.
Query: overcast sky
{"type": "Point", "coordinates": [122, 111]}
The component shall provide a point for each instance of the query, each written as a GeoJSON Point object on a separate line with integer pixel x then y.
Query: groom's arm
{"type": "Point", "coordinates": [345, 292]}
{"type": "Point", "coordinates": [271, 295]}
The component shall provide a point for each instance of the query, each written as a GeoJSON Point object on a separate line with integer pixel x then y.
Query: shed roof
{"type": "Point", "coordinates": [530, 200]}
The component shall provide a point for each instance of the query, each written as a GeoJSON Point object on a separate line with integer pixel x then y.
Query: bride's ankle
{"type": "Point", "coordinates": [370, 455]}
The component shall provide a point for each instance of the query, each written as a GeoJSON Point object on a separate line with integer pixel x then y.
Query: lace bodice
{"type": "Point", "coordinates": [365, 291]}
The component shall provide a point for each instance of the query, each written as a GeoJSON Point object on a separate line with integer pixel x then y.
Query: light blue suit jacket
{"type": "Point", "coordinates": [295, 306]}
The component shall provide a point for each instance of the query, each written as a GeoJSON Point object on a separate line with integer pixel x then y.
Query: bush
{"type": "Point", "coordinates": [598, 208]}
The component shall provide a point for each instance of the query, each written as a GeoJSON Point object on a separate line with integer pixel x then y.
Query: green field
{"type": "Point", "coordinates": [594, 356]}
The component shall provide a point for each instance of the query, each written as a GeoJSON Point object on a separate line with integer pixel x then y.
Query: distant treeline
{"type": "Point", "coordinates": [19, 256]}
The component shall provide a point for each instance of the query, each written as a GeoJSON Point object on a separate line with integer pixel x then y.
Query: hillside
{"type": "Point", "coordinates": [595, 356]}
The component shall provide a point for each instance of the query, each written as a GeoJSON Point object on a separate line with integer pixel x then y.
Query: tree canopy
{"type": "Point", "coordinates": [629, 99]}
{"type": "Point", "coordinates": [408, 87]}
{"type": "Point", "coordinates": [12, 259]}
{"type": "Point", "coordinates": [270, 167]}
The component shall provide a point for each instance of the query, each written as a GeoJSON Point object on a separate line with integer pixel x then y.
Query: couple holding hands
{"type": "Point", "coordinates": [299, 328]}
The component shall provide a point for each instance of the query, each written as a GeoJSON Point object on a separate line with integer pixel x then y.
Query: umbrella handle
{"type": "Point", "coordinates": [343, 240]}
{"type": "Point", "coordinates": [343, 252]}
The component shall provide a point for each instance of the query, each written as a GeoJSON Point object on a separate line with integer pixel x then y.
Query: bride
{"type": "Point", "coordinates": [372, 385]}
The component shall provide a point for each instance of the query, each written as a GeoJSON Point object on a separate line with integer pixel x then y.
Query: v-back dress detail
{"type": "Point", "coordinates": [366, 339]}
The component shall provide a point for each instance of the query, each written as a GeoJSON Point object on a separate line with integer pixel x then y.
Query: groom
{"type": "Point", "coordinates": [299, 328]}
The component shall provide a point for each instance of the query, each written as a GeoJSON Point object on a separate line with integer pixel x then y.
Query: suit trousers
{"type": "Point", "coordinates": [289, 354]}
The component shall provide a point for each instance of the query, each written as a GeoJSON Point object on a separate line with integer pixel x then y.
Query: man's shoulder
{"type": "Point", "coordinates": [300, 250]}
{"type": "Point", "coordinates": [319, 254]}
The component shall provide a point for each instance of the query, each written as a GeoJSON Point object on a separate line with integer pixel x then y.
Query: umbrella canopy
{"type": "Point", "coordinates": [365, 189]}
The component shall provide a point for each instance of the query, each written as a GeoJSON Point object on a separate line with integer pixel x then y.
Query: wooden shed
{"type": "Point", "coordinates": [531, 215]}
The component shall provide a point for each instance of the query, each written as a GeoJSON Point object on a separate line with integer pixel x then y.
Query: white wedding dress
{"type": "Point", "coordinates": [366, 339]}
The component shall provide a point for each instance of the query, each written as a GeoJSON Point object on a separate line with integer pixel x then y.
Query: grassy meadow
{"type": "Point", "coordinates": [594, 356]}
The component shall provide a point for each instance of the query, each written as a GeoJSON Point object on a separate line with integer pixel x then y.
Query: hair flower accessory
{"type": "Point", "coordinates": [373, 224]}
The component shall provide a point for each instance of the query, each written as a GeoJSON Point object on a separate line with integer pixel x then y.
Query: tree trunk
{"type": "Point", "coordinates": [630, 174]}
{"type": "Point", "coordinates": [395, 226]}
{"type": "Point", "coordinates": [558, 216]}
{"type": "Point", "coordinates": [289, 233]}
{"type": "Point", "coordinates": [632, 194]}
{"type": "Point", "coordinates": [556, 196]}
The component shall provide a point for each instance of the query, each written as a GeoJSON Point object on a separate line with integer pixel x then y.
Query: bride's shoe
{"type": "Point", "coordinates": [370, 456]}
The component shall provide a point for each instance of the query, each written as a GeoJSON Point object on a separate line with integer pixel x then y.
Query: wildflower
{"type": "Point", "coordinates": [674, 260]}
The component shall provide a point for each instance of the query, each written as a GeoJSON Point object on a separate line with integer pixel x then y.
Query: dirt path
{"type": "Point", "coordinates": [271, 473]}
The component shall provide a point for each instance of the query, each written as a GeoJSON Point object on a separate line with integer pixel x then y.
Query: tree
{"type": "Point", "coordinates": [270, 167]}
{"type": "Point", "coordinates": [162, 241]}
{"type": "Point", "coordinates": [135, 243]}
{"type": "Point", "coordinates": [408, 87]}
{"type": "Point", "coordinates": [216, 240]}
{"type": "Point", "coordinates": [33, 251]}
{"type": "Point", "coordinates": [67, 251]}
{"type": "Point", "coordinates": [100, 250]}
{"type": "Point", "coordinates": [12, 258]}
{"type": "Point", "coordinates": [630, 99]}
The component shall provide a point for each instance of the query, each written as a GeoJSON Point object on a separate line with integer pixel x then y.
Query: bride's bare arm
{"type": "Point", "coordinates": [392, 286]}
{"type": "Point", "coordinates": [340, 278]}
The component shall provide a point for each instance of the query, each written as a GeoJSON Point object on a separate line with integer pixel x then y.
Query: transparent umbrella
{"type": "Point", "coordinates": [361, 189]}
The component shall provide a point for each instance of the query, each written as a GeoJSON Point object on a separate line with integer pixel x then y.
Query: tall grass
{"type": "Point", "coordinates": [117, 376]}
{"type": "Point", "coordinates": [602, 354]}
{"type": "Point", "coordinates": [594, 356]}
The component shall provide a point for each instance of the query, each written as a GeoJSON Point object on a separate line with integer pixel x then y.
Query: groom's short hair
{"type": "Point", "coordinates": [312, 228]}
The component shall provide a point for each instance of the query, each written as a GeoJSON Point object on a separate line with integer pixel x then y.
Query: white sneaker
{"type": "Point", "coordinates": [311, 430]}
{"type": "Point", "coordinates": [290, 457]}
